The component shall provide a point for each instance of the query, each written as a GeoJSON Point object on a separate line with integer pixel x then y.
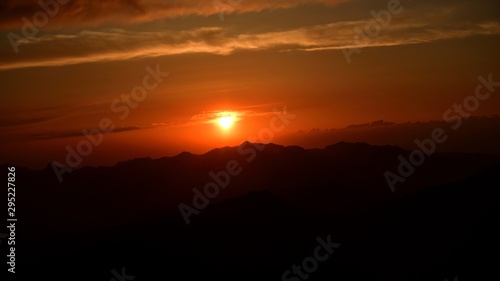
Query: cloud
{"type": "Point", "coordinates": [211, 116]}
{"type": "Point", "coordinates": [20, 137]}
{"type": "Point", "coordinates": [4, 122]}
{"type": "Point", "coordinates": [15, 122]}
{"type": "Point", "coordinates": [484, 128]}
{"type": "Point", "coordinates": [71, 134]}
{"type": "Point", "coordinates": [240, 114]}
{"type": "Point", "coordinates": [93, 13]}
{"type": "Point", "coordinates": [118, 44]}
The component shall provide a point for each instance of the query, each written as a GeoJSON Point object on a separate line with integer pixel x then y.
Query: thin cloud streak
{"type": "Point", "coordinates": [21, 137]}
{"type": "Point", "coordinates": [116, 44]}
{"type": "Point", "coordinates": [211, 117]}
{"type": "Point", "coordinates": [81, 13]}
{"type": "Point", "coordinates": [77, 133]}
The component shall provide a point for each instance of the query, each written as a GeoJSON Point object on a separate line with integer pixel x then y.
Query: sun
{"type": "Point", "coordinates": [226, 121]}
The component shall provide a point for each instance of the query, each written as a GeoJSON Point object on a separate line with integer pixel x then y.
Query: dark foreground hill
{"type": "Point", "coordinates": [440, 223]}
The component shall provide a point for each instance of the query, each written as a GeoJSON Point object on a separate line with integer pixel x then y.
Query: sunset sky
{"type": "Point", "coordinates": [250, 60]}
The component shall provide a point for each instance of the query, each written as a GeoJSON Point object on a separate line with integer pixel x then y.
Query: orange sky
{"type": "Point", "coordinates": [262, 57]}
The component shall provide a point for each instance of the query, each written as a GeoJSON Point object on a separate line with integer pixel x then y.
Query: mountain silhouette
{"type": "Point", "coordinates": [440, 223]}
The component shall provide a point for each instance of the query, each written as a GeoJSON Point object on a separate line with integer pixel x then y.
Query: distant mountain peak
{"type": "Point", "coordinates": [184, 154]}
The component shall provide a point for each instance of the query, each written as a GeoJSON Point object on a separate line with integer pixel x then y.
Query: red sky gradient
{"type": "Point", "coordinates": [262, 57]}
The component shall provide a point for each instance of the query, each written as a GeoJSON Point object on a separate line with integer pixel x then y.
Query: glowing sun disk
{"type": "Point", "coordinates": [226, 121]}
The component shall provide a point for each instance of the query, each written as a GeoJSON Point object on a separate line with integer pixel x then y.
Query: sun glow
{"type": "Point", "coordinates": [226, 121]}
